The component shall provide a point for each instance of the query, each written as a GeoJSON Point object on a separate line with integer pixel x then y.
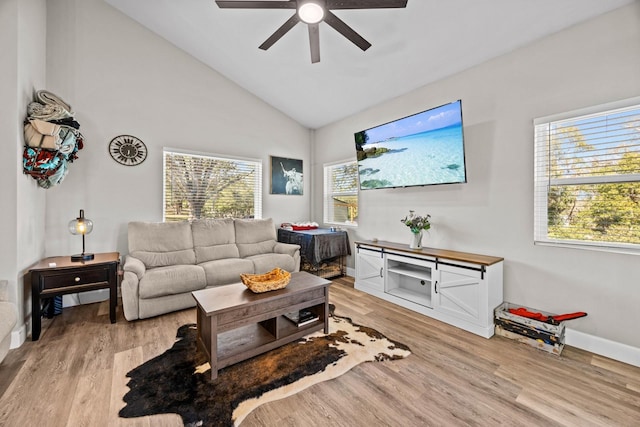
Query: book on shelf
{"type": "Point", "coordinates": [302, 317]}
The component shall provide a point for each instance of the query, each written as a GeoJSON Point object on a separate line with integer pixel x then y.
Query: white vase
{"type": "Point", "coordinates": [416, 240]}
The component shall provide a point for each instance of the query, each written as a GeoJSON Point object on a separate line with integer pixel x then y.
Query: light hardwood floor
{"type": "Point", "coordinates": [75, 376]}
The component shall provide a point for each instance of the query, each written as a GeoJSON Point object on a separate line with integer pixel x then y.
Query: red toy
{"type": "Point", "coordinates": [554, 320]}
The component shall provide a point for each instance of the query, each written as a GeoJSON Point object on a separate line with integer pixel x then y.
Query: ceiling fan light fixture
{"type": "Point", "coordinates": [311, 13]}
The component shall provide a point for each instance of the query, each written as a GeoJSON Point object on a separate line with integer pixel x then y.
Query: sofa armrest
{"type": "Point", "coordinates": [134, 269]}
{"type": "Point", "coordinates": [135, 266]}
{"type": "Point", "coordinates": [291, 250]}
{"type": "Point", "coordinates": [4, 290]}
{"type": "Point", "coordinates": [286, 248]}
{"type": "Point", "coordinates": [129, 290]}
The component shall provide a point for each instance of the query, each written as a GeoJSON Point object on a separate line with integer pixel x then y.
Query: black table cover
{"type": "Point", "coordinates": [318, 244]}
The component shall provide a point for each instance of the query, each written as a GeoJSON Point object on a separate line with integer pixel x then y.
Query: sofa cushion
{"type": "Point", "coordinates": [214, 239]}
{"type": "Point", "coordinates": [226, 271]}
{"type": "Point", "coordinates": [267, 262]}
{"type": "Point", "coordinates": [255, 236]}
{"type": "Point", "coordinates": [159, 244]}
{"type": "Point", "coordinates": [171, 280]}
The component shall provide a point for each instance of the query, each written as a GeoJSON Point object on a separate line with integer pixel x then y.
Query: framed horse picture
{"type": "Point", "coordinates": [286, 176]}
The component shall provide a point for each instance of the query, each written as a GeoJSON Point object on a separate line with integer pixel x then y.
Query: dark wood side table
{"type": "Point", "coordinates": [59, 275]}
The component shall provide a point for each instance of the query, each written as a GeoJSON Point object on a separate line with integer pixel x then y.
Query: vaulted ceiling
{"type": "Point", "coordinates": [411, 47]}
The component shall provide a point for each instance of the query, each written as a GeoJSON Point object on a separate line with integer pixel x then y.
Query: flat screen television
{"type": "Point", "coordinates": [426, 148]}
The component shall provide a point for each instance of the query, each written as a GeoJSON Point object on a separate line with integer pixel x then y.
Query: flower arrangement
{"type": "Point", "coordinates": [416, 223]}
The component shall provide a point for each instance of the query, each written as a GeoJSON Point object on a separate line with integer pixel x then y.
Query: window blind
{"type": "Point", "coordinates": [341, 193]}
{"type": "Point", "coordinates": [587, 178]}
{"type": "Point", "coordinates": [204, 186]}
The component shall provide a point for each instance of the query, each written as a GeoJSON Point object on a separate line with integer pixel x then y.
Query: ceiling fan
{"type": "Point", "coordinates": [312, 12]}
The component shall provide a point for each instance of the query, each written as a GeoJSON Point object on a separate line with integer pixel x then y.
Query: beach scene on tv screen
{"type": "Point", "coordinates": [424, 149]}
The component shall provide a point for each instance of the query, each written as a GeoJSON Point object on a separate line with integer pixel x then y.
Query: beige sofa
{"type": "Point", "coordinates": [169, 260]}
{"type": "Point", "coordinates": [8, 319]}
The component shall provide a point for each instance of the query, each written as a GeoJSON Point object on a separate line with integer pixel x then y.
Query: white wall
{"type": "Point", "coordinates": [22, 43]}
{"type": "Point", "coordinates": [122, 79]}
{"type": "Point", "coordinates": [9, 134]}
{"type": "Point", "coordinates": [590, 64]}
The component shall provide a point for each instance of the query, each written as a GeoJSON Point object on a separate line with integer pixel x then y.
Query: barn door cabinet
{"type": "Point", "coordinates": [458, 288]}
{"type": "Point", "coordinates": [370, 269]}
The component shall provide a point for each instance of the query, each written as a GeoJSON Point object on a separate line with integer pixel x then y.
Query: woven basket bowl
{"type": "Point", "coordinates": [274, 279]}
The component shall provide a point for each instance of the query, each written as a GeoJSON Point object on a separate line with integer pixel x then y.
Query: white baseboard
{"type": "Point", "coordinates": [604, 347]}
{"type": "Point", "coordinates": [351, 272]}
{"type": "Point", "coordinates": [18, 337]}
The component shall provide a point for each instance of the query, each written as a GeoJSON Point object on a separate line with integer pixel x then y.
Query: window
{"type": "Point", "coordinates": [341, 193]}
{"type": "Point", "coordinates": [204, 186]}
{"type": "Point", "coordinates": [587, 178]}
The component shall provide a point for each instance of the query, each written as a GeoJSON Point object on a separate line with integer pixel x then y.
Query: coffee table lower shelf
{"type": "Point", "coordinates": [245, 324]}
{"type": "Point", "coordinates": [243, 343]}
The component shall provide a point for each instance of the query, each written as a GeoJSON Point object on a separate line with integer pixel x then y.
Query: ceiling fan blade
{"type": "Point", "coordinates": [237, 4]}
{"type": "Point", "coordinates": [314, 42]}
{"type": "Point", "coordinates": [291, 22]}
{"type": "Point", "coordinates": [346, 30]}
{"type": "Point", "coordinates": [365, 4]}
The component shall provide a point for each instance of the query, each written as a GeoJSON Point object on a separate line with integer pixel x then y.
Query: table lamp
{"type": "Point", "coordinates": [81, 225]}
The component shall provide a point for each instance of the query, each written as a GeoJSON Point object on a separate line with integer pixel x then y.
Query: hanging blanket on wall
{"type": "Point", "coordinates": [48, 106]}
{"type": "Point", "coordinates": [48, 98]}
{"type": "Point", "coordinates": [48, 168]}
{"type": "Point", "coordinates": [46, 112]}
{"type": "Point", "coordinates": [41, 134]}
{"type": "Point", "coordinates": [52, 139]}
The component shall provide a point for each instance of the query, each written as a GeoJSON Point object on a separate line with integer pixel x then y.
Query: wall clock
{"type": "Point", "coordinates": [127, 150]}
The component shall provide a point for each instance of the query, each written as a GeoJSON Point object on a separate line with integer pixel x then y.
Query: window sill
{"type": "Point", "coordinates": [591, 247]}
{"type": "Point", "coordinates": [342, 224]}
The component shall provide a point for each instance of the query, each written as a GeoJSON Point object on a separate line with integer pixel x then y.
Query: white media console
{"type": "Point", "coordinates": [458, 288]}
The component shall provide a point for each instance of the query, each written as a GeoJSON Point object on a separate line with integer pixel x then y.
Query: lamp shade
{"type": "Point", "coordinates": [80, 225]}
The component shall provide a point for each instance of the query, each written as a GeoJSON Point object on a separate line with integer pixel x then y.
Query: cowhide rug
{"type": "Point", "coordinates": [179, 380]}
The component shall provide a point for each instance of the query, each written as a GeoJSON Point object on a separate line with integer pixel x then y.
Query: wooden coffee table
{"type": "Point", "coordinates": [235, 324]}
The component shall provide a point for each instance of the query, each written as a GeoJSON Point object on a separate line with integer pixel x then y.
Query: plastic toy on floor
{"type": "Point", "coordinates": [554, 320]}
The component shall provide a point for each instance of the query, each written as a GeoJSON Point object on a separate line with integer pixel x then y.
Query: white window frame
{"type": "Point", "coordinates": [542, 182]}
{"type": "Point", "coordinates": [257, 201]}
{"type": "Point", "coordinates": [327, 206]}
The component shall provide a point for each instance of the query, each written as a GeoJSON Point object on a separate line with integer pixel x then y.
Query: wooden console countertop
{"type": "Point", "coordinates": [437, 253]}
